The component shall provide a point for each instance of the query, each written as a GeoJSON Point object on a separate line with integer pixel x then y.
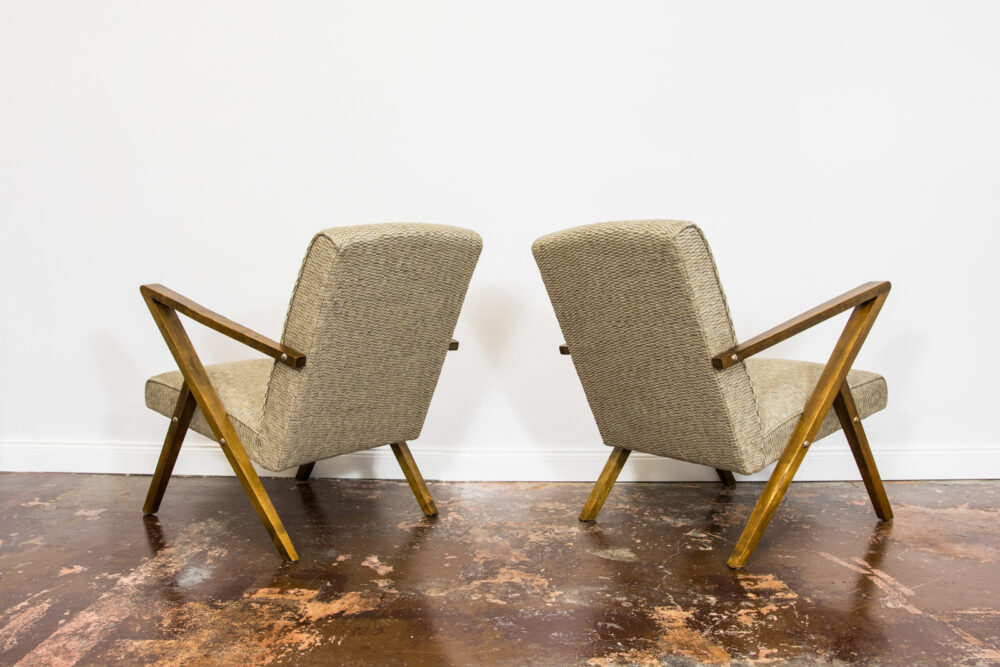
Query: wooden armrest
{"type": "Point", "coordinates": [171, 299]}
{"type": "Point", "coordinates": [857, 296]}
{"type": "Point", "coordinates": [564, 349]}
{"type": "Point", "coordinates": [452, 345]}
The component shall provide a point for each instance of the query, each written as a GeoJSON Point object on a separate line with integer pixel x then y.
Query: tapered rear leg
{"type": "Point", "coordinates": [850, 421]}
{"type": "Point", "coordinates": [179, 423]}
{"type": "Point", "coordinates": [726, 477]}
{"type": "Point", "coordinates": [413, 476]}
{"type": "Point", "coordinates": [595, 501]}
{"type": "Point", "coordinates": [302, 474]}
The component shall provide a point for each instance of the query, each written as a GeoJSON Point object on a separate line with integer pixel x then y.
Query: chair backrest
{"type": "Point", "coordinates": [373, 310]}
{"type": "Point", "coordinates": [643, 312]}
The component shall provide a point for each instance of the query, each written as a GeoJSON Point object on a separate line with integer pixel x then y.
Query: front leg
{"type": "Point", "coordinates": [179, 423]}
{"type": "Point", "coordinates": [850, 421]}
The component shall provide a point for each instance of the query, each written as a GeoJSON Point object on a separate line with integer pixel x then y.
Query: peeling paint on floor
{"type": "Point", "coordinates": [85, 579]}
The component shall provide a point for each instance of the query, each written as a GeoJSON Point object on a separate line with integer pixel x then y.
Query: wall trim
{"type": "Point", "coordinates": [825, 462]}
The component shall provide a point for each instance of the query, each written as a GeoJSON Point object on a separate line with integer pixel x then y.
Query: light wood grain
{"type": "Point", "coordinates": [613, 466]}
{"type": "Point", "coordinates": [415, 479]}
{"type": "Point", "coordinates": [810, 318]}
{"type": "Point", "coordinates": [827, 387]}
{"type": "Point", "coordinates": [223, 325]}
{"type": "Point", "coordinates": [200, 386]}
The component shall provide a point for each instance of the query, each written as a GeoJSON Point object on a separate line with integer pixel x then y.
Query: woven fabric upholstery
{"type": "Point", "coordinates": [782, 388]}
{"type": "Point", "coordinates": [643, 312]}
{"type": "Point", "coordinates": [373, 310]}
{"type": "Point", "coordinates": [241, 386]}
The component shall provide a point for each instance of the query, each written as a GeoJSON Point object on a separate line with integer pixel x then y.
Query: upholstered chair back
{"type": "Point", "coordinates": [373, 310]}
{"type": "Point", "coordinates": [643, 312]}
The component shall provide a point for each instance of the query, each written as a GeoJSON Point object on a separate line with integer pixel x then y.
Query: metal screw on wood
{"type": "Point", "coordinates": [735, 357]}
{"type": "Point", "coordinates": [806, 443]}
{"type": "Point", "coordinates": [222, 442]}
{"type": "Point", "coordinates": [174, 419]}
{"type": "Point", "coordinates": [857, 419]}
{"type": "Point", "coordinates": [284, 357]}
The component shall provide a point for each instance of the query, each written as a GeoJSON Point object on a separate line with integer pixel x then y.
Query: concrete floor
{"type": "Point", "coordinates": [505, 575]}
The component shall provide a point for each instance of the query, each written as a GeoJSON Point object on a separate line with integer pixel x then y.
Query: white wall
{"type": "Point", "coordinates": [202, 144]}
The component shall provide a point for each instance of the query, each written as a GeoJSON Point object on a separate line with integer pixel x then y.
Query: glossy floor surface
{"type": "Point", "coordinates": [505, 575]}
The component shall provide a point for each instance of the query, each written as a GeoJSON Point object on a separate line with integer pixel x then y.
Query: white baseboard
{"type": "Point", "coordinates": [826, 461]}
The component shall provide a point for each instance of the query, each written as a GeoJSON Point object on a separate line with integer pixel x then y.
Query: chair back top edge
{"type": "Point", "coordinates": [346, 237]}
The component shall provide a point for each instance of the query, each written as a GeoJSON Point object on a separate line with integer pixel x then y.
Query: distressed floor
{"type": "Point", "coordinates": [505, 575]}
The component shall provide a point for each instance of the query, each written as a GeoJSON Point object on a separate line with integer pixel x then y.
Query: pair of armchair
{"type": "Point", "coordinates": [645, 322]}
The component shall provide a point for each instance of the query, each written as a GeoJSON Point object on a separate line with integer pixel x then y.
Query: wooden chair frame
{"type": "Point", "coordinates": [831, 391]}
{"type": "Point", "coordinates": [197, 390]}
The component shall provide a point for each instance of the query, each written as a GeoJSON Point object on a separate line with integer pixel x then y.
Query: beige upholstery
{"type": "Point", "coordinates": [782, 388]}
{"type": "Point", "coordinates": [643, 312]}
{"type": "Point", "coordinates": [241, 386]}
{"type": "Point", "coordinates": [373, 310]}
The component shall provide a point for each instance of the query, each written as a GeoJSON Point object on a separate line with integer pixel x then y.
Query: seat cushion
{"type": "Point", "coordinates": [240, 385]}
{"type": "Point", "coordinates": [782, 388]}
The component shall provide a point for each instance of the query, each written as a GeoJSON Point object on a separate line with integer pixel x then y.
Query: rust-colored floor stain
{"type": "Point", "coordinates": [505, 575]}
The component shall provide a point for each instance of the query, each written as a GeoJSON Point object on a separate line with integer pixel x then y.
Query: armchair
{"type": "Point", "coordinates": [648, 328]}
{"type": "Point", "coordinates": [372, 313]}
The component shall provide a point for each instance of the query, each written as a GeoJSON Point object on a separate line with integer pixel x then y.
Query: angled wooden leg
{"type": "Point", "coordinates": [198, 382]}
{"type": "Point", "coordinates": [413, 476]}
{"type": "Point", "coordinates": [171, 448]}
{"type": "Point", "coordinates": [850, 421]}
{"type": "Point", "coordinates": [613, 466]}
{"type": "Point", "coordinates": [817, 407]}
{"type": "Point", "coordinates": [726, 477]}
{"type": "Point", "coordinates": [302, 474]}
{"type": "Point", "coordinates": [768, 502]}
{"type": "Point", "coordinates": [258, 496]}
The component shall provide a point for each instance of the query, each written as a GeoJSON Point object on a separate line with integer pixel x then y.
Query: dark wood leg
{"type": "Point", "coordinates": [302, 474]}
{"type": "Point", "coordinates": [413, 476]}
{"type": "Point", "coordinates": [817, 407]}
{"type": "Point", "coordinates": [850, 421]}
{"type": "Point", "coordinates": [198, 382]}
{"type": "Point", "coordinates": [595, 501]}
{"type": "Point", "coordinates": [171, 448]}
{"type": "Point", "coordinates": [726, 477]}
